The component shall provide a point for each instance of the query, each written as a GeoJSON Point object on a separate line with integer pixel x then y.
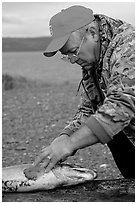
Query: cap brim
{"type": "Point", "coordinates": [49, 54]}
{"type": "Point", "coordinates": [55, 45]}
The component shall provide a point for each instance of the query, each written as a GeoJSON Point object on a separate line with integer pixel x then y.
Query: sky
{"type": "Point", "coordinates": [30, 19]}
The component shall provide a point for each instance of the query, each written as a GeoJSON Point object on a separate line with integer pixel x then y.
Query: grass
{"type": "Point", "coordinates": [10, 82]}
{"type": "Point", "coordinates": [34, 66]}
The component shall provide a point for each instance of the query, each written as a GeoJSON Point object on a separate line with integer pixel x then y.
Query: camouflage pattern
{"type": "Point", "coordinates": [116, 81]}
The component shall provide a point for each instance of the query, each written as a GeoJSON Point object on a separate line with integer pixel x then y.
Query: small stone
{"type": "Point", "coordinates": [53, 125]}
{"type": "Point", "coordinates": [20, 148]}
{"type": "Point", "coordinates": [41, 138]}
{"type": "Point", "coordinates": [46, 108]}
{"type": "Point", "coordinates": [4, 114]}
{"type": "Point", "coordinates": [38, 102]}
{"type": "Point", "coordinates": [12, 140]}
{"type": "Point", "coordinates": [104, 165]}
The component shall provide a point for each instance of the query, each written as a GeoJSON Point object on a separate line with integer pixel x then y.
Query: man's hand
{"type": "Point", "coordinates": [65, 146]}
{"type": "Point", "coordinates": [57, 151]}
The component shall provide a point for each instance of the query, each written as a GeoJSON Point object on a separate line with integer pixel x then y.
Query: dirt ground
{"type": "Point", "coordinates": [33, 116]}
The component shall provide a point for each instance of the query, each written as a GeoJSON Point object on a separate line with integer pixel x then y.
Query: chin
{"type": "Point", "coordinates": [88, 67]}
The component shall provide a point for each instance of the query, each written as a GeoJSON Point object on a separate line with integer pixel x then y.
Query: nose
{"type": "Point", "coordinates": [73, 58]}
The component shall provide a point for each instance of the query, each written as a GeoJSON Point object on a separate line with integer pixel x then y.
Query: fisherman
{"type": "Point", "coordinates": [104, 49]}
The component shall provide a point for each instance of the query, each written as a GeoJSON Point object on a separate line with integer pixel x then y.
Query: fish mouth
{"type": "Point", "coordinates": [83, 170]}
{"type": "Point", "coordinates": [74, 173]}
{"type": "Point", "coordinates": [86, 174]}
{"type": "Point", "coordinates": [78, 168]}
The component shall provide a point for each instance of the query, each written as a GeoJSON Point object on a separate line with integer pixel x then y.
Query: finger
{"type": "Point", "coordinates": [41, 157]}
{"type": "Point", "coordinates": [46, 161]}
{"type": "Point", "coordinates": [44, 149]}
{"type": "Point", "coordinates": [51, 164]}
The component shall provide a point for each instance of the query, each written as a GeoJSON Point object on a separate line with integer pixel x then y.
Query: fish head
{"type": "Point", "coordinates": [73, 174]}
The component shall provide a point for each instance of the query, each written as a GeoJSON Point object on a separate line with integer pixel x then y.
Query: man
{"type": "Point", "coordinates": [104, 48]}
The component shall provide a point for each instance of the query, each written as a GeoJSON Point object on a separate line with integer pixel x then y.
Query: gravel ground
{"type": "Point", "coordinates": [34, 115]}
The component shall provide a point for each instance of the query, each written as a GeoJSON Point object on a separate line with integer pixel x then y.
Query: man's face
{"type": "Point", "coordinates": [88, 53]}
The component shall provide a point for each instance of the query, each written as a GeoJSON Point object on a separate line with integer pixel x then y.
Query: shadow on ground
{"type": "Point", "coordinates": [118, 190]}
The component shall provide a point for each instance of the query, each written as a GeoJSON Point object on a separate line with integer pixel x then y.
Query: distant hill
{"type": "Point", "coordinates": [24, 44]}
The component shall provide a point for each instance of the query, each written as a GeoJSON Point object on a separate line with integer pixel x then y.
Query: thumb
{"type": "Point", "coordinates": [51, 164]}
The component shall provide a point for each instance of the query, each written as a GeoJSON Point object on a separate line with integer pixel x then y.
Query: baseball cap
{"type": "Point", "coordinates": [64, 23]}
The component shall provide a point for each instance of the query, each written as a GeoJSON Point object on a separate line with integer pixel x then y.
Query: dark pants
{"type": "Point", "coordinates": [123, 152]}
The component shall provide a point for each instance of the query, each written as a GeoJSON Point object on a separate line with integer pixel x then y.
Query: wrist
{"type": "Point", "coordinates": [84, 137]}
{"type": "Point", "coordinates": [67, 143]}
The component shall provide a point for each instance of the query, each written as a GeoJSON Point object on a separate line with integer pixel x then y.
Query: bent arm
{"type": "Point", "coordinates": [118, 110]}
{"type": "Point", "coordinates": [85, 108]}
{"type": "Point", "coordinates": [84, 137]}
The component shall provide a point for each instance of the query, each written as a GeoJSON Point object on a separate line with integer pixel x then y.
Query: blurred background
{"type": "Point", "coordinates": [27, 19]}
{"type": "Point", "coordinates": [25, 35]}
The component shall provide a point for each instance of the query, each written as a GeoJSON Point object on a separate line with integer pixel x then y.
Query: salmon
{"type": "Point", "coordinates": [14, 178]}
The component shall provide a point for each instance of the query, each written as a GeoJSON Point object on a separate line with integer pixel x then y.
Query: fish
{"type": "Point", "coordinates": [14, 178]}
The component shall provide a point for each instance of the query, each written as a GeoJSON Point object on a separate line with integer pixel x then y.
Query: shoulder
{"type": "Point", "coordinates": [120, 54]}
{"type": "Point", "coordinates": [123, 35]}
{"type": "Point", "coordinates": [123, 43]}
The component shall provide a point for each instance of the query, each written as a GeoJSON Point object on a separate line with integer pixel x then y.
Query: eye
{"type": "Point", "coordinates": [73, 51]}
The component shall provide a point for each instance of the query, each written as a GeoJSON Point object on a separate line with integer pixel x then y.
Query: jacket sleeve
{"type": "Point", "coordinates": [118, 110]}
{"type": "Point", "coordinates": [85, 108]}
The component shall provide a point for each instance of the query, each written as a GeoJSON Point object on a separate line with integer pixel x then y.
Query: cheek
{"type": "Point", "coordinates": [88, 53]}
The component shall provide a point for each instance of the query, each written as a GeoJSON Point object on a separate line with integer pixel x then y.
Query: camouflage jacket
{"type": "Point", "coordinates": [108, 100]}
